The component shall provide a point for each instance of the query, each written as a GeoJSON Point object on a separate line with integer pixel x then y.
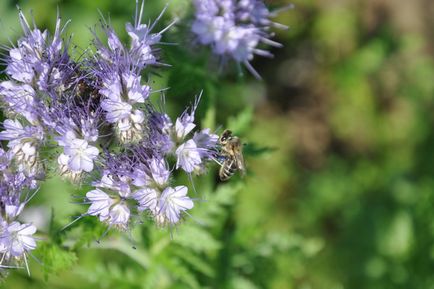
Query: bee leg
{"type": "Point", "coordinates": [219, 160]}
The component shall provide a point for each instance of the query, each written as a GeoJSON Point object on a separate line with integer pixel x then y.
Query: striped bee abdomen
{"type": "Point", "coordinates": [228, 169]}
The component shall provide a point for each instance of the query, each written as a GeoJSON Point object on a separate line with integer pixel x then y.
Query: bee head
{"type": "Point", "coordinates": [225, 136]}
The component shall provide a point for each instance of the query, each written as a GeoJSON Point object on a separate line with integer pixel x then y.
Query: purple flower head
{"type": "Point", "coordinates": [113, 199]}
{"type": "Point", "coordinates": [151, 172]}
{"type": "Point", "coordinates": [14, 185]}
{"type": "Point", "coordinates": [125, 88]}
{"type": "Point", "coordinates": [16, 240]}
{"type": "Point", "coordinates": [109, 201]}
{"type": "Point", "coordinates": [39, 58]}
{"type": "Point", "coordinates": [100, 204]}
{"type": "Point", "coordinates": [147, 199]}
{"type": "Point", "coordinates": [172, 139]}
{"type": "Point", "coordinates": [24, 143]}
{"type": "Point", "coordinates": [76, 126]}
{"type": "Point", "coordinates": [165, 206]}
{"type": "Point", "coordinates": [111, 208]}
{"type": "Point", "coordinates": [19, 99]}
{"type": "Point", "coordinates": [81, 155]}
{"type": "Point", "coordinates": [164, 135]}
{"type": "Point", "coordinates": [5, 160]}
{"type": "Point", "coordinates": [140, 53]}
{"type": "Point", "coordinates": [207, 142]}
{"type": "Point", "coordinates": [159, 172]}
{"type": "Point", "coordinates": [117, 67]}
{"type": "Point", "coordinates": [173, 201]}
{"type": "Point", "coordinates": [143, 40]}
{"type": "Point", "coordinates": [188, 156]}
{"type": "Point", "coordinates": [121, 95]}
{"type": "Point", "coordinates": [15, 133]}
{"type": "Point", "coordinates": [160, 130]}
{"type": "Point", "coordinates": [184, 125]}
{"type": "Point", "coordinates": [13, 182]}
{"type": "Point", "coordinates": [234, 28]}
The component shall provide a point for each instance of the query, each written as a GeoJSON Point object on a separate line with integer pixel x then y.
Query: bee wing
{"type": "Point", "coordinates": [240, 161]}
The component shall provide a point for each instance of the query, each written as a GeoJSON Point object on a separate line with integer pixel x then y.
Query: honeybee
{"type": "Point", "coordinates": [232, 154]}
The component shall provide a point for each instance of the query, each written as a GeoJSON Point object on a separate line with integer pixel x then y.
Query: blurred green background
{"type": "Point", "coordinates": [340, 156]}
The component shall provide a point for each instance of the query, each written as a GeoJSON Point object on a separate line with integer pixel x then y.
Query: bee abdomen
{"type": "Point", "coordinates": [227, 170]}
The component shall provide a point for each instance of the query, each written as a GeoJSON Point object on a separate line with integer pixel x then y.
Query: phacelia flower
{"type": "Point", "coordinates": [188, 156]}
{"type": "Point", "coordinates": [39, 58]}
{"type": "Point", "coordinates": [100, 204]}
{"type": "Point", "coordinates": [191, 152]}
{"type": "Point", "coordinates": [121, 94]}
{"type": "Point", "coordinates": [16, 239]}
{"type": "Point", "coordinates": [81, 155]}
{"type": "Point", "coordinates": [173, 201]}
{"type": "Point", "coordinates": [234, 28]}
{"type": "Point", "coordinates": [111, 200]}
{"type": "Point", "coordinates": [19, 99]}
{"type": "Point", "coordinates": [24, 143]}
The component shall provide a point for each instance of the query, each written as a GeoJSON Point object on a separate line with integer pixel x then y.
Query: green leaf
{"type": "Point", "coordinates": [180, 272]}
{"type": "Point", "coordinates": [195, 261]}
{"type": "Point", "coordinates": [54, 258]}
{"type": "Point", "coordinates": [241, 123]}
{"type": "Point", "coordinates": [196, 238]}
{"type": "Point", "coordinates": [253, 149]}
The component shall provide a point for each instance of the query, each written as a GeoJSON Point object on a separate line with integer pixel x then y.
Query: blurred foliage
{"type": "Point", "coordinates": [339, 147]}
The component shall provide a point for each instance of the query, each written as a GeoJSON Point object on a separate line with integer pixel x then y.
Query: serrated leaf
{"type": "Point", "coordinates": [196, 238]}
{"type": "Point", "coordinates": [90, 229]}
{"type": "Point", "coordinates": [225, 194]}
{"type": "Point", "coordinates": [54, 258]}
{"type": "Point", "coordinates": [180, 272]}
{"type": "Point", "coordinates": [196, 262]}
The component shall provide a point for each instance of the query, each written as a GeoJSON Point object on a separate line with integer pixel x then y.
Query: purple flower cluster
{"type": "Point", "coordinates": [39, 71]}
{"type": "Point", "coordinates": [95, 117]}
{"type": "Point", "coordinates": [234, 28]}
{"type": "Point", "coordinates": [139, 180]}
{"type": "Point", "coordinates": [16, 239]}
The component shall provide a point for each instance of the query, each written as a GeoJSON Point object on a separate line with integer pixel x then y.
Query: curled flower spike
{"type": "Point", "coordinates": [191, 154]}
{"type": "Point", "coordinates": [234, 29]}
{"type": "Point", "coordinates": [39, 59]}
